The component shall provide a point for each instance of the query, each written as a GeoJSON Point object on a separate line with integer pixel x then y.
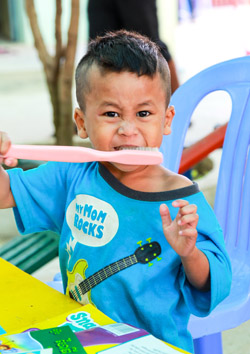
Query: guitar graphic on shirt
{"type": "Point", "coordinates": [79, 286]}
{"type": "Point", "coordinates": [75, 277]}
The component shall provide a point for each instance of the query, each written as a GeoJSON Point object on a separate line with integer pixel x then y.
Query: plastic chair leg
{"type": "Point", "coordinates": [209, 344]}
{"type": "Point", "coordinates": [57, 285]}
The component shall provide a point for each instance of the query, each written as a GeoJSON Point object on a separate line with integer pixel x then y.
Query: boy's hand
{"type": "Point", "coordinates": [5, 144]}
{"type": "Point", "coordinates": [181, 232]}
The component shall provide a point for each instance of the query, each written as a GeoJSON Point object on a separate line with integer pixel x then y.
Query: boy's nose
{"type": "Point", "coordinates": [127, 128]}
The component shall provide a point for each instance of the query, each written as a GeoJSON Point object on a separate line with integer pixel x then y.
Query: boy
{"type": "Point", "coordinates": [131, 231]}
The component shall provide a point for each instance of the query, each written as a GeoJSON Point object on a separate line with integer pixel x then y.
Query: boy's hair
{"type": "Point", "coordinates": [121, 51]}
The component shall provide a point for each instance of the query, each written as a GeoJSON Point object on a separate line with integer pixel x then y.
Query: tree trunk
{"type": "Point", "coordinates": [58, 68]}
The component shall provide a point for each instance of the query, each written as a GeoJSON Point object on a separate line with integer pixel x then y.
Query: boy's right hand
{"type": "Point", "coordinates": [5, 144]}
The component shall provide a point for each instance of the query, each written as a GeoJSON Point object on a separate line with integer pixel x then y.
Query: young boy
{"type": "Point", "coordinates": [132, 231]}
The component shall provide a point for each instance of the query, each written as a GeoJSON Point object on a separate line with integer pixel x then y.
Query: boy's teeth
{"type": "Point", "coordinates": [143, 148]}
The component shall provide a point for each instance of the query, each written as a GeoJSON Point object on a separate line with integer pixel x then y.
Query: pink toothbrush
{"type": "Point", "coordinates": [148, 156]}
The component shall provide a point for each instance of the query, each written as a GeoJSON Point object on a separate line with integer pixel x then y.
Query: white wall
{"type": "Point", "coordinates": [168, 18]}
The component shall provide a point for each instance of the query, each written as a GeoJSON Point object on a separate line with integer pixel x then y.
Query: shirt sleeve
{"type": "Point", "coordinates": [211, 242]}
{"type": "Point", "coordinates": [40, 196]}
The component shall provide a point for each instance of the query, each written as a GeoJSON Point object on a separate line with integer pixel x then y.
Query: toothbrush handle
{"type": "Point", "coordinates": [45, 153]}
{"type": "Point", "coordinates": [82, 154]}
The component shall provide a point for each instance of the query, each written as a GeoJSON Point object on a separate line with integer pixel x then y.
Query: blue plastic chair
{"type": "Point", "coordinates": [232, 201]}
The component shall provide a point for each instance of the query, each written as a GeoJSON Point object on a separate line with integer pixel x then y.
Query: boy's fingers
{"type": "Point", "coordinates": [165, 215]}
{"type": "Point", "coordinates": [10, 162]}
{"type": "Point", "coordinates": [4, 143]}
{"type": "Point", "coordinates": [189, 209]}
{"type": "Point", "coordinates": [188, 219]}
{"type": "Point", "coordinates": [188, 232]}
{"type": "Point", "coordinates": [179, 203]}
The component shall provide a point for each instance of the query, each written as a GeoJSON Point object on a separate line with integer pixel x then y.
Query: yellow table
{"type": "Point", "coordinates": [25, 300]}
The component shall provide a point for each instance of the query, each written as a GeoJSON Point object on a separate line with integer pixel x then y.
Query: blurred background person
{"type": "Point", "coordinates": [132, 15]}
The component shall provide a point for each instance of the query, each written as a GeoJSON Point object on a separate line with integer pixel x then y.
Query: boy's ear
{"type": "Point", "coordinates": [80, 123]}
{"type": "Point", "coordinates": [170, 113]}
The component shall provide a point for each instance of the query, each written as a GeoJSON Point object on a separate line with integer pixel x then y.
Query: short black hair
{"type": "Point", "coordinates": [121, 51]}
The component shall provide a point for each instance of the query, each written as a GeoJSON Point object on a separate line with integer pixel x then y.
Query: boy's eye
{"type": "Point", "coordinates": [111, 114]}
{"type": "Point", "coordinates": [143, 114]}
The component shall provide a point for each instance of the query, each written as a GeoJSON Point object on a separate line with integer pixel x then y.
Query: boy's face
{"type": "Point", "coordinates": [124, 110]}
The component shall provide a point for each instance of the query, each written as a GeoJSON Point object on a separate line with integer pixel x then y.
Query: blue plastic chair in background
{"type": "Point", "coordinates": [232, 201]}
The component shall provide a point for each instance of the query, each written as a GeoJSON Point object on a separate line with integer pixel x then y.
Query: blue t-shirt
{"type": "Point", "coordinates": [112, 235]}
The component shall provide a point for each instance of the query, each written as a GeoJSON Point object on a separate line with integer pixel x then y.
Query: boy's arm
{"type": "Point", "coordinates": [181, 234]}
{"type": "Point", "coordinates": [6, 197]}
{"type": "Point", "coordinates": [197, 270]}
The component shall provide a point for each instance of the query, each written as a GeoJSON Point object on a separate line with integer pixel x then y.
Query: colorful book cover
{"type": "Point", "coordinates": [113, 338]}
{"type": "Point", "coordinates": [61, 340]}
{"type": "Point", "coordinates": [95, 332]}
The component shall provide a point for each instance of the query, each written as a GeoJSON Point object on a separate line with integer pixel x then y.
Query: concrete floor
{"type": "Point", "coordinates": [25, 110]}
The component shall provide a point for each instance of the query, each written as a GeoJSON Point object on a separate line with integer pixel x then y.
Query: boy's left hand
{"type": "Point", "coordinates": [181, 232]}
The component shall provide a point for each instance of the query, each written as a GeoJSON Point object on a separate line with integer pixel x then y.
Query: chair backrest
{"type": "Point", "coordinates": [232, 201]}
